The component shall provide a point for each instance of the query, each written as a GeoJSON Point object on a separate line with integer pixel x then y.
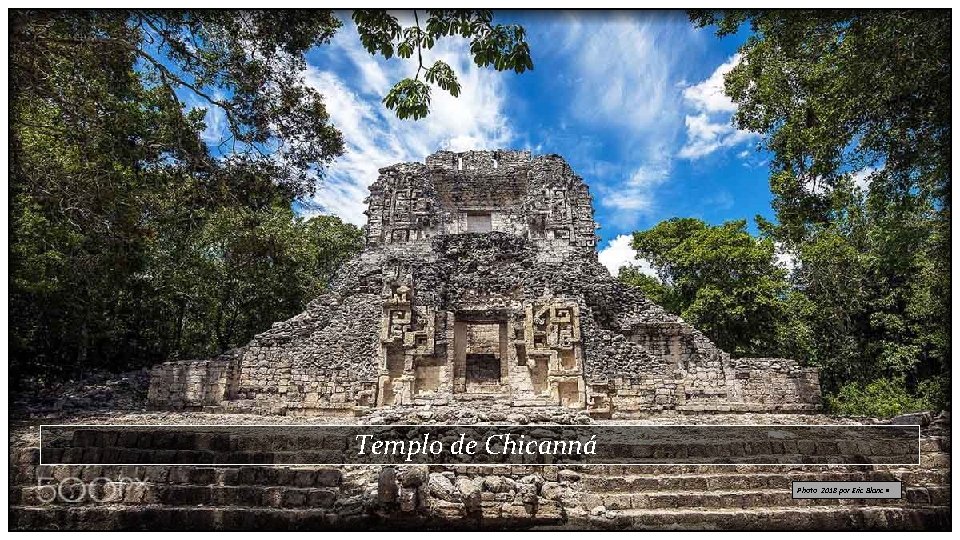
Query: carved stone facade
{"type": "Point", "coordinates": [479, 282]}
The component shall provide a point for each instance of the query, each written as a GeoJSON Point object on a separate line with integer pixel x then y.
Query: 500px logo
{"type": "Point", "coordinates": [75, 490]}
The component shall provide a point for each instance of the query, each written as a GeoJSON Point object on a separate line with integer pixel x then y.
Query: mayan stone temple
{"type": "Point", "coordinates": [479, 282]}
{"type": "Point", "coordinates": [478, 307]}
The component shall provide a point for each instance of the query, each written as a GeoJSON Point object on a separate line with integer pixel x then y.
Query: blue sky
{"type": "Point", "coordinates": [633, 100]}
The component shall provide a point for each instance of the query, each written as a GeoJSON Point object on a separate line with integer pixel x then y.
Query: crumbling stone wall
{"type": "Point", "coordinates": [482, 253]}
{"type": "Point", "coordinates": [186, 385]}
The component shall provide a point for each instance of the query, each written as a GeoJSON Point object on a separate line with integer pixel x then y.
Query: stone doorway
{"type": "Point", "coordinates": [481, 356]}
{"type": "Point", "coordinates": [482, 372]}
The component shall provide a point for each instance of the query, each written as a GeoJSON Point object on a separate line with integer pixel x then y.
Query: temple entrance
{"type": "Point", "coordinates": [481, 352]}
{"type": "Point", "coordinates": [482, 371]}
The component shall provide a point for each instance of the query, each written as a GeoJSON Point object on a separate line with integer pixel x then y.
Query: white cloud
{"type": "Point", "coordinates": [375, 137]}
{"type": "Point", "coordinates": [815, 185]}
{"type": "Point", "coordinates": [784, 258]}
{"type": "Point", "coordinates": [705, 136]}
{"type": "Point", "coordinates": [637, 89]}
{"type": "Point", "coordinates": [217, 130]}
{"type": "Point", "coordinates": [618, 253]}
{"type": "Point", "coordinates": [721, 200]}
{"type": "Point", "coordinates": [635, 193]}
{"type": "Point", "coordinates": [622, 67]}
{"type": "Point", "coordinates": [708, 95]}
{"type": "Point", "coordinates": [710, 127]}
{"type": "Point", "coordinates": [863, 177]}
{"type": "Point", "coordinates": [621, 75]}
{"type": "Point", "coordinates": [751, 159]}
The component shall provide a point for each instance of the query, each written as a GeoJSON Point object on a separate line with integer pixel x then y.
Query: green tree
{"type": "Point", "coordinates": [835, 91]}
{"type": "Point", "coordinates": [132, 238]}
{"type": "Point", "coordinates": [719, 278]}
{"type": "Point", "coordinates": [855, 108]}
{"type": "Point", "coordinates": [240, 272]}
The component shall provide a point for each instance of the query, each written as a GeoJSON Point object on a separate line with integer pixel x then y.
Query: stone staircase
{"type": "Point", "coordinates": [748, 497]}
{"type": "Point", "coordinates": [185, 497]}
{"type": "Point", "coordinates": [653, 497]}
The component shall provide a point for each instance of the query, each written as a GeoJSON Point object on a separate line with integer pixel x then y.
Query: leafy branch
{"type": "Point", "coordinates": [502, 47]}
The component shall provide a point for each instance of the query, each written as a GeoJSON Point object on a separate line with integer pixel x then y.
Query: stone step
{"type": "Point", "coordinates": [153, 517]}
{"type": "Point", "coordinates": [791, 518]}
{"type": "Point", "coordinates": [178, 446]}
{"type": "Point", "coordinates": [160, 518]}
{"type": "Point", "coordinates": [617, 471]}
{"type": "Point", "coordinates": [145, 493]}
{"type": "Point", "coordinates": [231, 476]}
{"type": "Point", "coordinates": [938, 496]}
{"type": "Point", "coordinates": [600, 478]}
{"type": "Point", "coordinates": [323, 497]}
{"type": "Point", "coordinates": [938, 460]}
{"type": "Point", "coordinates": [716, 481]}
{"type": "Point", "coordinates": [241, 518]}
{"type": "Point", "coordinates": [934, 444]}
{"type": "Point", "coordinates": [654, 454]}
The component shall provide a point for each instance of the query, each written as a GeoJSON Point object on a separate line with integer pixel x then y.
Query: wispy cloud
{"type": "Point", "coordinates": [709, 127]}
{"type": "Point", "coordinates": [752, 159]}
{"type": "Point", "coordinates": [722, 200]}
{"type": "Point", "coordinates": [217, 130]}
{"type": "Point", "coordinates": [863, 178]}
{"type": "Point", "coordinates": [622, 66]}
{"type": "Point", "coordinates": [623, 76]}
{"type": "Point", "coordinates": [635, 192]}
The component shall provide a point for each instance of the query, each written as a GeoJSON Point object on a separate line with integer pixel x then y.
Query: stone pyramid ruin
{"type": "Point", "coordinates": [479, 282]}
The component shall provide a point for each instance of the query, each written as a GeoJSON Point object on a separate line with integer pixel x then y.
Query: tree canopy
{"type": "Point", "coordinates": [837, 91]}
{"type": "Point", "coordinates": [133, 238]}
{"type": "Point", "coordinates": [718, 278]}
{"type": "Point", "coordinates": [854, 107]}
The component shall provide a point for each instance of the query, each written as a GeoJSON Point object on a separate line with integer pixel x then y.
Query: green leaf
{"type": "Point", "coordinates": [377, 30]}
{"type": "Point", "coordinates": [410, 98]}
{"type": "Point", "coordinates": [443, 76]}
